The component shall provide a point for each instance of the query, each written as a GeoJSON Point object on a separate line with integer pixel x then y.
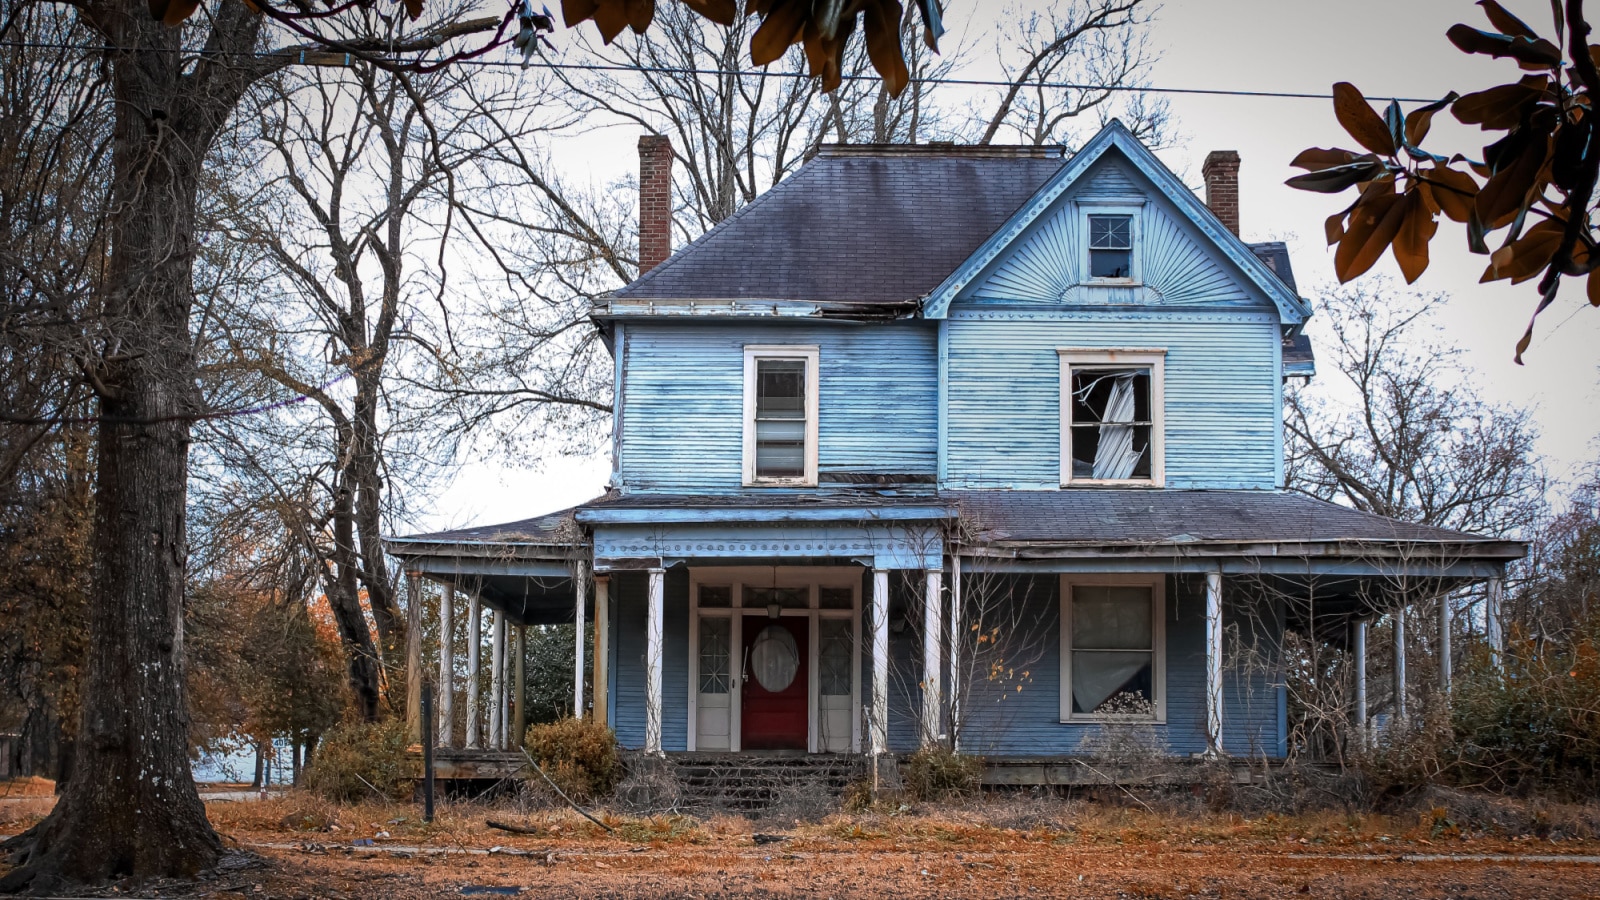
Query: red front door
{"type": "Point", "coordinates": [776, 675]}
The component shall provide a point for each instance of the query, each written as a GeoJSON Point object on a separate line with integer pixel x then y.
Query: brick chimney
{"type": "Point", "coordinates": [655, 200]}
{"type": "Point", "coordinates": [1221, 171]}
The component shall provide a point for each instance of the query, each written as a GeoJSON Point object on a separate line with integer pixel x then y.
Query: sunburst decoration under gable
{"type": "Point", "coordinates": [1047, 266]}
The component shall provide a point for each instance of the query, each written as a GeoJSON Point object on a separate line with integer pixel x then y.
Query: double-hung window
{"type": "Point", "coordinates": [1111, 247]}
{"type": "Point", "coordinates": [780, 415]}
{"type": "Point", "coordinates": [1111, 417]}
{"type": "Point", "coordinates": [1112, 637]}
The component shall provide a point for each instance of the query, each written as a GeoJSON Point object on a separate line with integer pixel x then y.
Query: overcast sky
{"type": "Point", "coordinates": [1385, 47]}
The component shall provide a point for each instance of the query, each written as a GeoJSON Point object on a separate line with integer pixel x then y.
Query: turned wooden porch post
{"type": "Point", "coordinates": [413, 658]}
{"type": "Point", "coordinates": [880, 663]}
{"type": "Point", "coordinates": [474, 656]}
{"type": "Point", "coordinates": [653, 661]}
{"type": "Point", "coordinates": [497, 682]}
{"type": "Point", "coordinates": [447, 668]}
{"type": "Point", "coordinates": [932, 657]}
{"type": "Point", "coordinates": [602, 648]}
{"type": "Point", "coordinates": [1400, 665]}
{"type": "Point", "coordinates": [1214, 663]}
{"type": "Point", "coordinates": [1358, 647]}
{"type": "Point", "coordinates": [580, 590]}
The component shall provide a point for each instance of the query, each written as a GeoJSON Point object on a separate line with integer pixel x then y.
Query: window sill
{"type": "Point", "coordinates": [1114, 720]}
{"type": "Point", "coordinates": [1093, 483]}
{"type": "Point", "coordinates": [781, 483]}
{"type": "Point", "coordinates": [1111, 282]}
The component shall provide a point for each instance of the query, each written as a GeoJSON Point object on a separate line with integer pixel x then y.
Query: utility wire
{"type": "Point", "coordinates": [298, 57]}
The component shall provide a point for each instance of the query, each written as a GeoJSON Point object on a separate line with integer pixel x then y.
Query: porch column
{"type": "Point", "coordinates": [1358, 650]}
{"type": "Point", "coordinates": [1444, 644]}
{"type": "Point", "coordinates": [497, 681]}
{"type": "Point", "coordinates": [413, 658]}
{"type": "Point", "coordinates": [474, 653]}
{"type": "Point", "coordinates": [955, 652]}
{"type": "Point", "coordinates": [653, 661]}
{"type": "Point", "coordinates": [1492, 622]}
{"type": "Point", "coordinates": [580, 590]}
{"type": "Point", "coordinates": [519, 685]}
{"type": "Point", "coordinates": [1214, 663]}
{"type": "Point", "coordinates": [602, 648]}
{"type": "Point", "coordinates": [1400, 664]}
{"type": "Point", "coordinates": [932, 657]}
{"type": "Point", "coordinates": [447, 668]}
{"type": "Point", "coordinates": [880, 662]}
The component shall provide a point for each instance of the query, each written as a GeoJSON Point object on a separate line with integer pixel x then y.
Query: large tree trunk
{"type": "Point", "coordinates": [130, 808]}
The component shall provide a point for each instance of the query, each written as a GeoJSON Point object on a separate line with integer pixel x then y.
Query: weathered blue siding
{"type": "Point", "coordinates": [1001, 720]}
{"type": "Point", "coordinates": [628, 672]}
{"type": "Point", "coordinates": [683, 400]}
{"type": "Point", "coordinates": [1003, 424]}
{"type": "Point", "coordinates": [1222, 337]}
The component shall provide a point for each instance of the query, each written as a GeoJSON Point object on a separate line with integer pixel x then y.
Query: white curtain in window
{"type": "Point", "coordinates": [1115, 457]}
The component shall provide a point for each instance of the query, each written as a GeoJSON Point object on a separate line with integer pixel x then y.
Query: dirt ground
{"type": "Point", "coordinates": [300, 847]}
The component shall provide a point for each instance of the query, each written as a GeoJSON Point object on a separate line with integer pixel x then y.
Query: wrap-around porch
{"type": "Point", "coordinates": [1009, 626]}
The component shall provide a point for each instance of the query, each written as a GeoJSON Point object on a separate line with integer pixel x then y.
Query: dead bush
{"type": "Point", "coordinates": [939, 773]}
{"type": "Point", "coordinates": [579, 755]}
{"type": "Point", "coordinates": [649, 785]}
{"type": "Point", "coordinates": [362, 760]}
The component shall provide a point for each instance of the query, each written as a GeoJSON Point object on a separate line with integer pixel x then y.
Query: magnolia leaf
{"type": "Point", "coordinates": [1593, 286]}
{"type": "Point", "coordinates": [1506, 22]}
{"type": "Point", "coordinates": [173, 12]}
{"type": "Point", "coordinates": [1419, 120]}
{"type": "Point", "coordinates": [781, 26]}
{"type": "Point", "coordinates": [1396, 122]}
{"type": "Point", "coordinates": [1359, 119]}
{"type": "Point", "coordinates": [722, 12]}
{"type": "Point", "coordinates": [413, 9]}
{"type": "Point", "coordinates": [1527, 256]}
{"type": "Point", "coordinates": [1334, 179]}
{"type": "Point", "coordinates": [640, 14]}
{"type": "Point", "coordinates": [611, 16]}
{"type": "Point", "coordinates": [1373, 224]}
{"type": "Point", "coordinates": [1411, 241]}
{"type": "Point", "coordinates": [575, 11]}
{"type": "Point", "coordinates": [1530, 53]}
{"type": "Point", "coordinates": [1334, 227]}
{"type": "Point", "coordinates": [932, 23]}
{"type": "Point", "coordinates": [1453, 191]}
{"type": "Point", "coordinates": [883, 44]}
{"type": "Point", "coordinates": [1318, 158]}
{"type": "Point", "coordinates": [1500, 107]}
{"type": "Point", "coordinates": [1508, 190]}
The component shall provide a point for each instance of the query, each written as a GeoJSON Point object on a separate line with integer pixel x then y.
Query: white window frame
{"type": "Point", "coordinates": [1155, 358]}
{"type": "Point", "coordinates": [1158, 676]}
{"type": "Point", "coordinates": [1132, 208]}
{"type": "Point", "coordinates": [810, 355]}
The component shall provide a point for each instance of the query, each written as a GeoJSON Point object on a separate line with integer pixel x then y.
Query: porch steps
{"type": "Point", "coordinates": [737, 782]}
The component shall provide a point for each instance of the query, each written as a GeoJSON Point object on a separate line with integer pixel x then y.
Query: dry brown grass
{"type": "Point", "coordinates": [27, 786]}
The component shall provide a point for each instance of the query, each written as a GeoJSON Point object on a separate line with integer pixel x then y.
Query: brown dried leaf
{"type": "Point", "coordinates": [1411, 242]}
{"type": "Point", "coordinates": [1508, 190]}
{"type": "Point", "coordinates": [1593, 285]}
{"type": "Point", "coordinates": [883, 44]}
{"type": "Point", "coordinates": [722, 12]}
{"type": "Point", "coordinates": [781, 26]}
{"type": "Point", "coordinates": [1360, 120]}
{"type": "Point", "coordinates": [1334, 227]}
{"type": "Point", "coordinates": [177, 11]}
{"type": "Point", "coordinates": [1500, 107]}
{"type": "Point", "coordinates": [1373, 224]}
{"type": "Point", "coordinates": [1453, 191]}
{"type": "Point", "coordinates": [640, 14]}
{"type": "Point", "coordinates": [1505, 21]}
{"type": "Point", "coordinates": [1317, 158]}
{"type": "Point", "coordinates": [413, 8]}
{"type": "Point", "coordinates": [1527, 256]}
{"type": "Point", "coordinates": [575, 11]}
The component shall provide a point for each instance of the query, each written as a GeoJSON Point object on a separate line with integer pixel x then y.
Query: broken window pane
{"type": "Point", "coordinates": [1110, 246]}
{"type": "Point", "coordinates": [1111, 423]}
{"type": "Point", "coordinates": [780, 418]}
{"type": "Point", "coordinates": [1113, 650]}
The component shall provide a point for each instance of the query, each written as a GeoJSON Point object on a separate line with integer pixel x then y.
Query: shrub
{"type": "Point", "coordinates": [939, 773]}
{"type": "Point", "coordinates": [359, 759]}
{"type": "Point", "coordinates": [579, 755]}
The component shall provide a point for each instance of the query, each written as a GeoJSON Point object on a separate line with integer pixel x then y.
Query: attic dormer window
{"type": "Point", "coordinates": [1110, 247]}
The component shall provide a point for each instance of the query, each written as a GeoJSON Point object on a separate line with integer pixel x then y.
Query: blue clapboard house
{"type": "Point", "coordinates": [940, 444]}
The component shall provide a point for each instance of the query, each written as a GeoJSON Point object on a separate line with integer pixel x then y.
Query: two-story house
{"type": "Point", "coordinates": [937, 440]}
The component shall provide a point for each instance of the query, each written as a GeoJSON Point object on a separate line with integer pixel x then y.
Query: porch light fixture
{"type": "Point", "coordinates": [774, 610]}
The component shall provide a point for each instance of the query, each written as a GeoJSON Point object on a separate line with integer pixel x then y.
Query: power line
{"type": "Point", "coordinates": [298, 58]}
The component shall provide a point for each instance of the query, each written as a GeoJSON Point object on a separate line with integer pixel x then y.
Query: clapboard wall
{"type": "Point", "coordinates": [682, 415]}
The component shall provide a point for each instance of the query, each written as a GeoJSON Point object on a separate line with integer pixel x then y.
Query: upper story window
{"type": "Point", "coordinates": [780, 415]}
{"type": "Point", "coordinates": [1110, 246]}
{"type": "Point", "coordinates": [1111, 417]}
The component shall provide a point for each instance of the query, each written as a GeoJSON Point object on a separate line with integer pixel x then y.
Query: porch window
{"type": "Point", "coordinates": [1112, 649]}
{"type": "Point", "coordinates": [1111, 419]}
{"type": "Point", "coordinates": [780, 416]}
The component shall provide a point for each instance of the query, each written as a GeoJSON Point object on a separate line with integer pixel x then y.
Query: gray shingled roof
{"type": "Point", "coordinates": [866, 225]}
{"type": "Point", "coordinates": [548, 529]}
{"type": "Point", "coordinates": [1132, 516]}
